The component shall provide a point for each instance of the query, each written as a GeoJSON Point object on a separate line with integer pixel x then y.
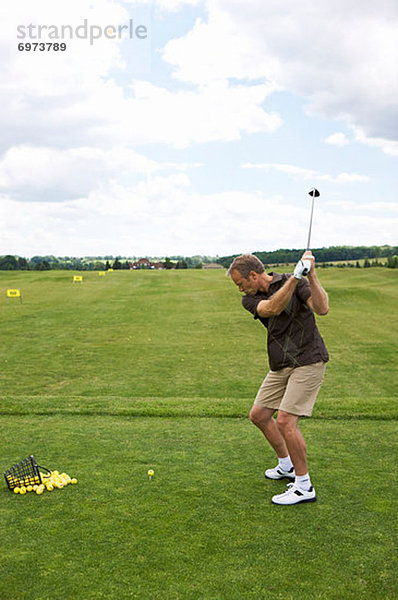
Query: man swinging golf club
{"type": "Point", "coordinates": [285, 305]}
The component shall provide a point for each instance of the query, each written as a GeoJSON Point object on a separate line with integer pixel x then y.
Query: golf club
{"type": "Point", "coordinates": [315, 194]}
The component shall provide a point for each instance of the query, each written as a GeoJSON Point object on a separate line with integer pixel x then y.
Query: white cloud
{"type": "Point", "coordinates": [308, 174]}
{"type": "Point", "coordinates": [175, 5]}
{"type": "Point", "coordinates": [166, 5]}
{"type": "Point", "coordinates": [69, 122]}
{"type": "Point", "coordinates": [165, 215]}
{"type": "Point", "coordinates": [383, 208]}
{"type": "Point", "coordinates": [337, 139]}
{"type": "Point", "coordinates": [102, 116]}
{"type": "Point", "coordinates": [389, 147]}
{"type": "Point", "coordinates": [339, 56]}
{"type": "Point", "coordinates": [98, 112]}
{"type": "Point", "coordinates": [30, 173]}
{"type": "Point", "coordinates": [40, 173]}
{"type": "Point", "coordinates": [214, 112]}
{"type": "Point", "coordinates": [346, 178]}
{"type": "Point", "coordinates": [72, 98]}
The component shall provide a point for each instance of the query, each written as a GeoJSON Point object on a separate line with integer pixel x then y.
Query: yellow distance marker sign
{"type": "Point", "coordinates": [14, 293]}
{"type": "Point", "coordinates": [77, 279]}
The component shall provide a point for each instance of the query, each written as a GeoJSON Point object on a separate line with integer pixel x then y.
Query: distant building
{"type": "Point", "coordinates": [212, 266]}
{"type": "Point", "coordinates": [144, 263]}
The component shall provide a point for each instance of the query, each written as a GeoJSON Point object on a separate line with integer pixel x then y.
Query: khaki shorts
{"type": "Point", "coordinates": [293, 389]}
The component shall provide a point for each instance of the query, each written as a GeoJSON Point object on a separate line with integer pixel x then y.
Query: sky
{"type": "Point", "coordinates": [197, 127]}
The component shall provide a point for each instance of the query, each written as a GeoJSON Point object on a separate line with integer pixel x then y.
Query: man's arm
{"type": "Point", "coordinates": [278, 302]}
{"type": "Point", "coordinates": [318, 301]}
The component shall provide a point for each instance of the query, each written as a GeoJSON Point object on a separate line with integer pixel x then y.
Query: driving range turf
{"type": "Point", "coordinates": [139, 370]}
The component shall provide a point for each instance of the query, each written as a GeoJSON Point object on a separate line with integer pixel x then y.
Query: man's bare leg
{"type": "Point", "coordinates": [263, 419]}
{"type": "Point", "coordinates": [295, 443]}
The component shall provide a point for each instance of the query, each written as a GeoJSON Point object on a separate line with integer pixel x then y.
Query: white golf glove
{"type": "Point", "coordinates": [303, 267]}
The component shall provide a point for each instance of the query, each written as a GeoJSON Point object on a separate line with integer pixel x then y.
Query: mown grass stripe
{"type": "Point", "coordinates": [380, 409]}
{"type": "Point", "coordinates": [169, 415]}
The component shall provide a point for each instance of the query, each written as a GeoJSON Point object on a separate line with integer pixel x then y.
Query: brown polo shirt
{"type": "Point", "coordinates": [293, 337]}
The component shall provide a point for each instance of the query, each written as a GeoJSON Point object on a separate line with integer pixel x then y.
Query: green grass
{"type": "Point", "coordinates": [204, 527]}
{"type": "Point", "coordinates": [110, 377]}
{"type": "Point", "coordinates": [180, 334]}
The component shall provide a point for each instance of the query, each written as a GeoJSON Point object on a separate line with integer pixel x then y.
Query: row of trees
{"type": "Point", "coordinates": [391, 263]}
{"type": "Point", "coordinates": [380, 255]}
{"type": "Point", "coordinates": [323, 255]}
{"type": "Point", "coordinates": [46, 263]}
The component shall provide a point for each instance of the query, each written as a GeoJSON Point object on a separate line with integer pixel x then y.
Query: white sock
{"type": "Point", "coordinates": [285, 463]}
{"type": "Point", "coordinates": [303, 482]}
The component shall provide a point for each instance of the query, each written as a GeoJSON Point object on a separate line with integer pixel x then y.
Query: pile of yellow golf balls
{"type": "Point", "coordinates": [49, 482]}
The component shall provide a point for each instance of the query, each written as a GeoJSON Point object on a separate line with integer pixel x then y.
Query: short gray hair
{"type": "Point", "coordinates": [246, 263]}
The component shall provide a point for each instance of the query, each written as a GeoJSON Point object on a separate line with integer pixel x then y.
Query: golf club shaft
{"type": "Point", "coordinates": [309, 231]}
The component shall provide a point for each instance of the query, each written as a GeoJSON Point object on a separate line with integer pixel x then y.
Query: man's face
{"type": "Point", "coordinates": [247, 286]}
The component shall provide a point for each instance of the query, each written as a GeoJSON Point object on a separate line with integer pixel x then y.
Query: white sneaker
{"type": "Point", "coordinates": [295, 495]}
{"type": "Point", "coordinates": [278, 473]}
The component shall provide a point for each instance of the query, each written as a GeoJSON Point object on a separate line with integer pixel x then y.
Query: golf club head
{"type": "Point", "coordinates": [314, 193]}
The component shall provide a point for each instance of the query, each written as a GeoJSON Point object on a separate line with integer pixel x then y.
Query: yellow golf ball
{"type": "Point", "coordinates": [29, 488]}
{"type": "Point", "coordinates": [151, 472]}
{"type": "Point", "coordinates": [40, 489]}
{"type": "Point", "coordinates": [16, 490]}
{"type": "Point", "coordinates": [73, 480]}
{"type": "Point", "coordinates": [22, 490]}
